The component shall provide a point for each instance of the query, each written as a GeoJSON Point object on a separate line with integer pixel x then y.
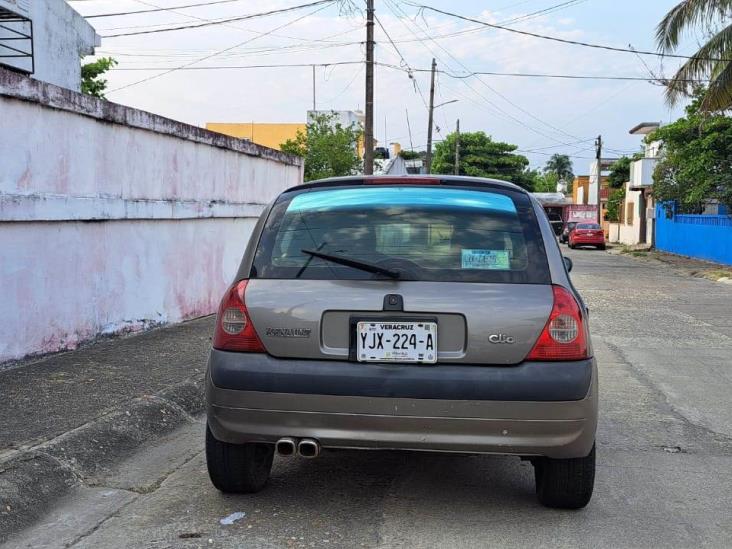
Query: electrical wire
{"type": "Point", "coordinates": [118, 14]}
{"type": "Point", "coordinates": [509, 101]}
{"type": "Point", "coordinates": [229, 67]}
{"type": "Point", "coordinates": [404, 61]}
{"type": "Point", "coordinates": [211, 56]}
{"type": "Point", "coordinates": [396, 67]}
{"type": "Point", "coordinates": [556, 38]}
{"type": "Point", "coordinates": [221, 21]}
{"type": "Point", "coordinates": [495, 109]}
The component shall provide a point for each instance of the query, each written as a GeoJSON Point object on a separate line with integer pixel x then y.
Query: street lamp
{"type": "Point", "coordinates": [428, 159]}
{"type": "Point", "coordinates": [445, 103]}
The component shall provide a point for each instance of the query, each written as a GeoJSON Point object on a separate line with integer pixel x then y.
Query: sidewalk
{"type": "Point", "coordinates": [687, 265]}
{"type": "Point", "coordinates": [67, 418]}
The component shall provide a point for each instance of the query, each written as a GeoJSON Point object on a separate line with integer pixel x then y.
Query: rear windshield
{"type": "Point", "coordinates": [424, 233]}
{"type": "Point", "coordinates": [588, 226]}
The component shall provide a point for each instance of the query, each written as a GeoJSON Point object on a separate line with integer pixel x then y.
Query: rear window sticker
{"type": "Point", "coordinates": [486, 259]}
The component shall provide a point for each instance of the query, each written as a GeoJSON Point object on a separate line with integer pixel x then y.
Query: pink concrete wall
{"type": "Point", "coordinates": [115, 220]}
{"type": "Point", "coordinates": [66, 282]}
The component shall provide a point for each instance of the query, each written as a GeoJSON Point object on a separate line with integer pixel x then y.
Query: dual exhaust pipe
{"type": "Point", "coordinates": [305, 447]}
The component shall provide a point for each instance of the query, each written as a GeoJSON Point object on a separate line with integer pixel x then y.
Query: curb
{"type": "Point", "coordinates": [33, 479]}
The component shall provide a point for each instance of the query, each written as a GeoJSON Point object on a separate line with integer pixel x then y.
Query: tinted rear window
{"type": "Point", "coordinates": [588, 226]}
{"type": "Point", "coordinates": [440, 233]}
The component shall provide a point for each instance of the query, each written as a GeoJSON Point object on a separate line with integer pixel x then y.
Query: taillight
{"type": "Point", "coordinates": [565, 335]}
{"type": "Point", "coordinates": [234, 329]}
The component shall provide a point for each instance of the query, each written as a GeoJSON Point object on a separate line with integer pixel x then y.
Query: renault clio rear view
{"type": "Point", "coordinates": [403, 313]}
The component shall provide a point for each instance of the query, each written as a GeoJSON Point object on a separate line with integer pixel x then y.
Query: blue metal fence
{"type": "Point", "coordinates": [702, 236]}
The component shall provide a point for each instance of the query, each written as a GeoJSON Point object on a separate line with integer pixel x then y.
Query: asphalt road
{"type": "Point", "coordinates": [664, 346]}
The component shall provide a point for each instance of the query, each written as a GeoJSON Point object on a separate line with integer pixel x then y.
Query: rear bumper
{"type": "Point", "coordinates": [589, 241]}
{"type": "Point", "coordinates": [268, 407]}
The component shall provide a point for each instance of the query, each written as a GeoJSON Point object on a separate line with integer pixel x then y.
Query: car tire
{"type": "Point", "coordinates": [571, 246]}
{"type": "Point", "coordinates": [238, 468]}
{"type": "Point", "coordinates": [565, 483]}
{"type": "Point", "coordinates": [601, 247]}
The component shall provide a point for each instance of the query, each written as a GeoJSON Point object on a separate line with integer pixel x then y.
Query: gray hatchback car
{"type": "Point", "coordinates": [403, 313]}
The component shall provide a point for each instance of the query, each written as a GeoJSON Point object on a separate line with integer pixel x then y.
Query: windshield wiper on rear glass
{"type": "Point", "coordinates": [355, 263]}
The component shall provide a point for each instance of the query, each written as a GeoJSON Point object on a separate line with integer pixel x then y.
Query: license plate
{"type": "Point", "coordinates": [396, 341]}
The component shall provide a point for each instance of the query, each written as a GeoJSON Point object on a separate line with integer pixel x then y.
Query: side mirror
{"type": "Point", "coordinates": [568, 264]}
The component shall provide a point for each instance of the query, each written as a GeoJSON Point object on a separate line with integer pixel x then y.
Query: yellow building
{"type": "Point", "coordinates": [266, 134]}
{"type": "Point", "coordinates": [274, 134]}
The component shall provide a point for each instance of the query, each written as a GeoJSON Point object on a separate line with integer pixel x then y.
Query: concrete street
{"type": "Point", "coordinates": [664, 453]}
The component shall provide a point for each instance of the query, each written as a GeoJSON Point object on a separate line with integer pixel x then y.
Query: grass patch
{"type": "Point", "coordinates": [716, 274]}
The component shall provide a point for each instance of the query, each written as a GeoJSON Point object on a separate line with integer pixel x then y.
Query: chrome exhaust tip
{"type": "Point", "coordinates": [286, 447]}
{"type": "Point", "coordinates": [308, 448]}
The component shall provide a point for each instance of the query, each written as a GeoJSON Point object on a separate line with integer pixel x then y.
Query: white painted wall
{"type": "Point", "coordinates": [641, 172]}
{"type": "Point", "coordinates": [113, 219]}
{"type": "Point", "coordinates": [60, 38]}
{"type": "Point", "coordinates": [630, 233]}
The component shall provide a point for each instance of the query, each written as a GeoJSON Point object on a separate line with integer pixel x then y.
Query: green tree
{"type": "Point", "coordinates": [546, 182]}
{"type": "Point", "coordinates": [410, 155]}
{"type": "Point", "coordinates": [616, 179]}
{"type": "Point", "coordinates": [619, 173]}
{"type": "Point", "coordinates": [696, 160]}
{"type": "Point", "coordinates": [614, 203]}
{"type": "Point", "coordinates": [561, 166]}
{"type": "Point", "coordinates": [328, 148]}
{"type": "Point", "coordinates": [480, 156]}
{"type": "Point", "coordinates": [91, 81]}
{"type": "Point", "coordinates": [712, 60]}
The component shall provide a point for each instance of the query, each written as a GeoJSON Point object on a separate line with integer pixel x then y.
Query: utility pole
{"type": "Point", "coordinates": [598, 157]}
{"type": "Point", "coordinates": [314, 87]}
{"type": "Point", "coordinates": [409, 127]}
{"type": "Point", "coordinates": [368, 137]}
{"type": "Point", "coordinates": [457, 148]}
{"type": "Point", "coordinates": [428, 159]}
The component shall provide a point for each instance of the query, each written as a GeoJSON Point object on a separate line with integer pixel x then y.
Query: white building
{"type": "Point", "coordinates": [46, 40]}
{"type": "Point", "coordinates": [344, 118]}
{"type": "Point", "coordinates": [637, 212]}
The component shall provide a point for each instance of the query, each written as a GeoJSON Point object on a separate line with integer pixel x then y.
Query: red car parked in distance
{"type": "Point", "coordinates": [587, 234]}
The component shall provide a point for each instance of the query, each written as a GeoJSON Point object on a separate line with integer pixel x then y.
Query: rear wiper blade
{"type": "Point", "coordinates": [355, 263]}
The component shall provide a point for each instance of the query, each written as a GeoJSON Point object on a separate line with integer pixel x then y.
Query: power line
{"type": "Point", "coordinates": [226, 67]}
{"type": "Point", "coordinates": [118, 14]}
{"type": "Point", "coordinates": [517, 120]}
{"type": "Point", "coordinates": [556, 146]}
{"type": "Point", "coordinates": [506, 99]}
{"type": "Point", "coordinates": [297, 48]}
{"type": "Point", "coordinates": [396, 67]}
{"type": "Point", "coordinates": [552, 154]}
{"type": "Point", "coordinates": [221, 21]}
{"type": "Point", "coordinates": [358, 73]}
{"type": "Point", "coordinates": [211, 56]}
{"type": "Point", "coordinates": [404, 61]}
{"type": "Point", "coordinates": [494, 107]}
{"type": "Point", "coordinates": [563, 76]}
{"type": "Point", "coordinates": [557, 39]}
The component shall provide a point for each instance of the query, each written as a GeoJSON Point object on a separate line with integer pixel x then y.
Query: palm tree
{"type": "Point", "coordinates": [713, 60]}
{"type": "Point", "coordinates": [561, 165]}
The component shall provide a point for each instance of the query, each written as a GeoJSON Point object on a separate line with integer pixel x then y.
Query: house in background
{"type": "Point", "coordinates": [584, 189]}
{"type": "Point", "coordinates": [45, 39]}
{"type": "Point", "coordinates": [637, 212]}
{"type": "Point", "coordinates": [267, 134]}
{"type": "Point", "coordinates": [273, 134]}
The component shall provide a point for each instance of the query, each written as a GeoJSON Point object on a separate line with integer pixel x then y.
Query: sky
{"type": "Point", "coordinates": [540, 115]}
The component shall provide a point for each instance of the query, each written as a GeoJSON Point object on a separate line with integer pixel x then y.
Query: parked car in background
{"type": "Point", "coordinates": [568, 228]}
{"type": "Point", "coordinates": [556, 222]}
{"type": "Point", "coordinates": [587, 234]}
{"type": "Point", "coordinates": [428, 313]}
